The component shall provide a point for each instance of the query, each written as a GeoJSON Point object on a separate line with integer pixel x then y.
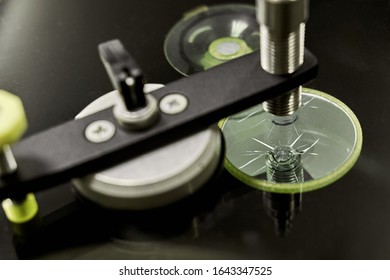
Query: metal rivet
{"type": "Point", "coordinates": [173, 103]}
{"type": "Point", "coordinates": [100, 131]}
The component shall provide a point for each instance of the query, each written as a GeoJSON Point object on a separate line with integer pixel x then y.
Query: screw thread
{"type": "Point", "coordinates": [284, 166]}
{"type": "Point", "coordinates": [292, 176]}
{"type": "Point", "coordinates": [285, 104]}
{"type": "Point", "coordinates": [282, 54]}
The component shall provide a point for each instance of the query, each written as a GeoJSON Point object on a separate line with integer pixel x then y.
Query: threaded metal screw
{"type": "Point", "coordinates": [282, 54]}
{"type": "Point", "coordinates": [282, 34]}
{"type": "Point", "coordinates": [282, 44]}
{"type": "Point", "coordinates": [285, 104]}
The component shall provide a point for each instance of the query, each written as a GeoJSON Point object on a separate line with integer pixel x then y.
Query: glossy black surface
{"type": "Point", "coordinates": [48, 56]}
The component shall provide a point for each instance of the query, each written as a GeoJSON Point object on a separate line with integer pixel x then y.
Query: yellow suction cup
{"type": "Point", "coordinates": [13, 124]}
{"type": "Point", "coordinates": [13, 121]}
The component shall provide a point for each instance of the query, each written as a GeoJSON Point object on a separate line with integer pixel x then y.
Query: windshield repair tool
{"type": "Point", "coordinates": [63, 152]}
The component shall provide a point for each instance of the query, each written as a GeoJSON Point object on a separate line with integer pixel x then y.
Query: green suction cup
{"type": "Point", "coordinates": [300, 153]}
{"type": "Point", "coordinates": [209, 36]}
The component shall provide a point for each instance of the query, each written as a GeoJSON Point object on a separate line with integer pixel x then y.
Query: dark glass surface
{"type": "Point", "coordinates": [48, 56]}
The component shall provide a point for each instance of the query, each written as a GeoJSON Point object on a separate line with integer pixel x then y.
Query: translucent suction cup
{"type": "Point", "coordinates": [209, 36]}
{"type": "Point", "coordinates": [298, 153]}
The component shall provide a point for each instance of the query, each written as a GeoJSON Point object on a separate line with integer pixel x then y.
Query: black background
{"type": "Point", "coordinates": [48, 56]}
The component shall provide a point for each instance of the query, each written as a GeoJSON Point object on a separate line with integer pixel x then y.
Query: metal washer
{"type": "Point", "coordinates": [157, 178]}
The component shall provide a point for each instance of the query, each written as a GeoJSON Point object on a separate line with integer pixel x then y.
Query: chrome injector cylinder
{"type": "Point", "coordinates": [282, 38]}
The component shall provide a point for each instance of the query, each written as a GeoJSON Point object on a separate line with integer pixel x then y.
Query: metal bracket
{"type": "Point", "coordinates": [61, 153]}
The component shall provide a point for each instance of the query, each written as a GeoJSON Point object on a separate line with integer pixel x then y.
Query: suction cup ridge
{"type": "Point", "coordinates": [209, 36]}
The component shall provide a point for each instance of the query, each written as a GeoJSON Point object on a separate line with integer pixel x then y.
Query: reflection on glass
{"type": "Point", "coordinates": [282, 208]}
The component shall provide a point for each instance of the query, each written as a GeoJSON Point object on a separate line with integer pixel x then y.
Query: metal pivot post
{"type": "Point", "coordinates": [137, 111]}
